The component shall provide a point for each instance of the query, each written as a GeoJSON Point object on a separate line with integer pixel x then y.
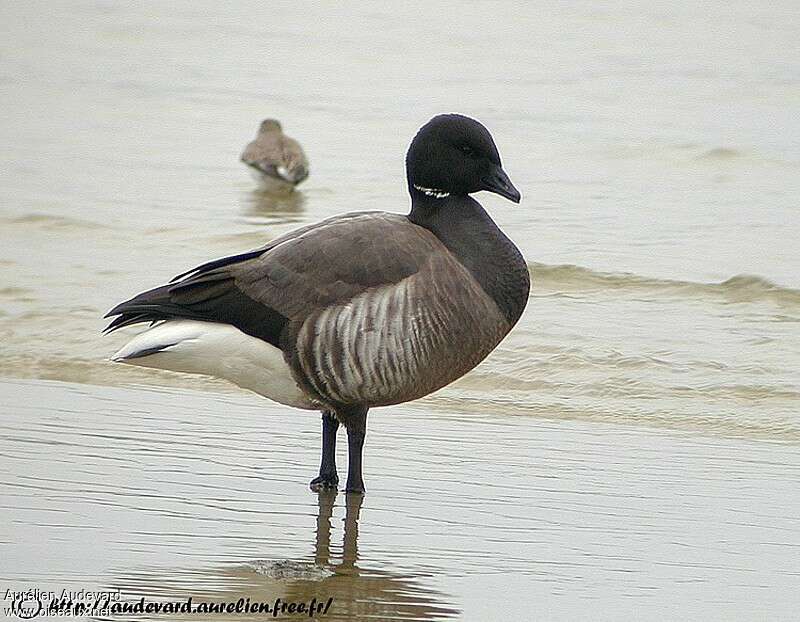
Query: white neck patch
{"type": "Point", "coordinates": [432, 192]}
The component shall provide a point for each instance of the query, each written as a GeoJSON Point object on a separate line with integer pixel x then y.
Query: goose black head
{"type": "Point", "coordinates": [453, 154]}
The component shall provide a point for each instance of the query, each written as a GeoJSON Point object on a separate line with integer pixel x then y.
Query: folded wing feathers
{"type": "Point", "coordinates": [294, 277]}
{"type": "Point", "coordinates": [220, 263]}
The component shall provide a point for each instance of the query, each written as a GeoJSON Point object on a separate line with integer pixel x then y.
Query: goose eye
{"type": "Point", "coordinates": [467, 150]}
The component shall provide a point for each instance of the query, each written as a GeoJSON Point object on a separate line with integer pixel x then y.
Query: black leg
{"type": "Point", "coordinates": [327, 479]}
{"type": "Point", "coordinates": [356, 424]}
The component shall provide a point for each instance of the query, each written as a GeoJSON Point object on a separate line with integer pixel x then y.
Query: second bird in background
{"type": "Point", "coordinates": [278, 161]}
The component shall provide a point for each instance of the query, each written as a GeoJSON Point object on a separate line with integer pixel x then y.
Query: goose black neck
{"type": "Point", "coordinates": [464, 227]}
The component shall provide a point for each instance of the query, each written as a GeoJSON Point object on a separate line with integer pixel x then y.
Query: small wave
{"type": "Point", "coordinates": [739, 288]}
{"type": "Point", "coordinates": [17, 294]}
{"type": "Point", "coordinates": [54, 222]}
{"type": "Point", "coordinates": [778, 429]}
{"type": "Point", "coordinates": [720, 154]}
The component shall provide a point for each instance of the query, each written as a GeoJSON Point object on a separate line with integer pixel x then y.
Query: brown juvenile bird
{"type": "Point", "coordinates": [278, 161]}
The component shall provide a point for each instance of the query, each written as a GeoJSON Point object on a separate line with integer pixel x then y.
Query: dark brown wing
{"type": "Point", "coordinates": [261, 291]}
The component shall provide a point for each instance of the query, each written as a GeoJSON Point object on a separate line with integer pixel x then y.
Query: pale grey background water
{"type": "Point", "coordinates": [630, 448]}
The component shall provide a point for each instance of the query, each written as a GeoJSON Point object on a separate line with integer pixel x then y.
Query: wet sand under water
{"type": "Point", "coordinates": [479, 516]}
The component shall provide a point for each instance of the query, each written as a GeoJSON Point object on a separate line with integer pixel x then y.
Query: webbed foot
{"type": "Point", "coordinates": [328, 481]}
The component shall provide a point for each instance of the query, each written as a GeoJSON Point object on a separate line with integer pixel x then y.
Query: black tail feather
{"type": "Point", "coordinates": [150, 306]}
{"type": "Point", "coordinates": [208, 297]}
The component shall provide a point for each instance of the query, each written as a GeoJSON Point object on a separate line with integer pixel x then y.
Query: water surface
{"type": "Point", "coordinates": [170, 494]}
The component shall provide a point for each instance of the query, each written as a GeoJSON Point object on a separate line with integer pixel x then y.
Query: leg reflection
{"type": "Point", "coordinates": [352, 514]}
{"type": "Point", "coordinates": [322, 550]}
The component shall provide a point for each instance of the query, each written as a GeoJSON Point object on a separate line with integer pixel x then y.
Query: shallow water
{"type": "Point", "coordinates": [652, 385]}
{"type": "Point", "coordinates": [485, 516]}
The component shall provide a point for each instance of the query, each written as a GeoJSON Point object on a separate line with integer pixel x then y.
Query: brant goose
{"type": "Point", "coordinates": [278, 161]}
{"type": "Point", "coordinates": [360, 310]}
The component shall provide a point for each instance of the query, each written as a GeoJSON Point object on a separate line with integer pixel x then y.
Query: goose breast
{"type": "Point", "coordinates": [398, 342]}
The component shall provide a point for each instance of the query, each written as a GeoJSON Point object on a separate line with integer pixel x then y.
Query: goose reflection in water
{"type": "Point", "coordinates": [332, 572]}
